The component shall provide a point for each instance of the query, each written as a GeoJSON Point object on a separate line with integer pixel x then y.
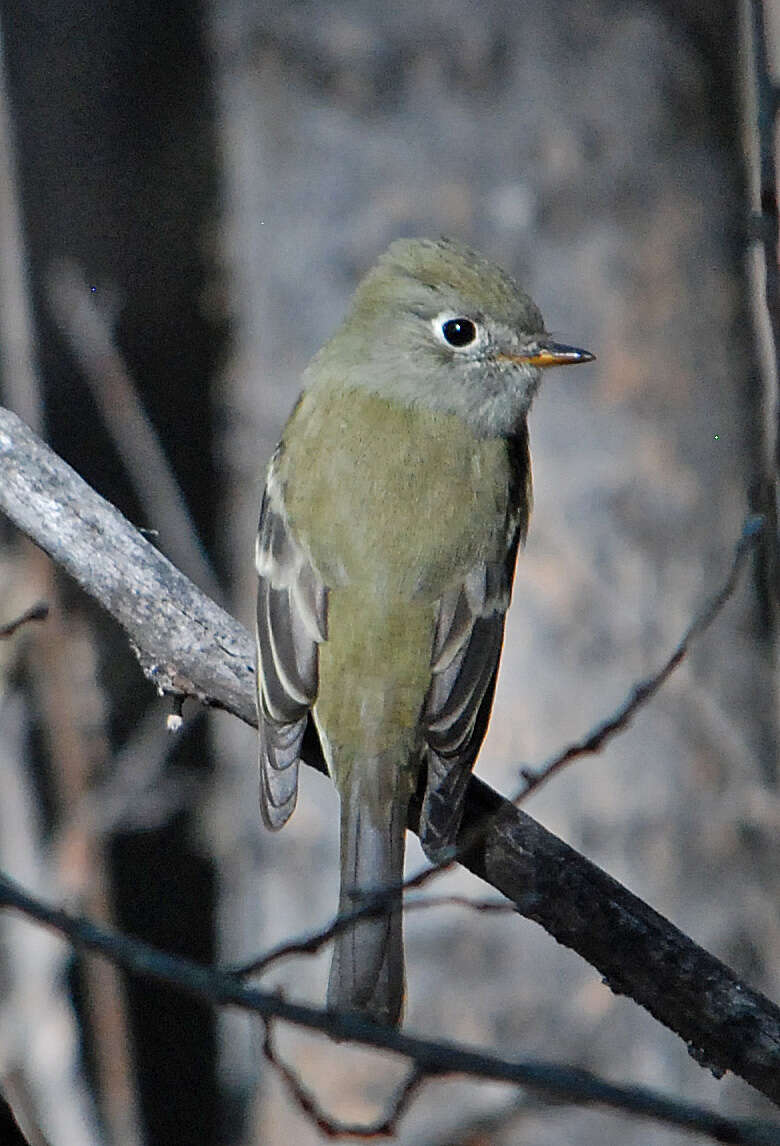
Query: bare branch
{"type": "Point", "coordinates": [594, 740]}
{"type": "Point", "coordinates": [186, 644]}
{"type": "Point", "coordinates": [75, 305]}
{"type": "Point", "coordinates": [382, 1127]}
{"type": "Point", "coordinates": [645, 690]}
{"type": "Point", "coordinates": [380, 904]}
{"type": "Point", "coordinates": [191, 647]}
{"type": "Point", "coordinates": [431, 1059]}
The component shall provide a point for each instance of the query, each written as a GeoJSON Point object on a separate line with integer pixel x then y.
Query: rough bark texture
{"type": "Point", "coordinates": [186, 644]}
{"type": "Point", "coordinates": [191, 647]}
{"type": "Point", "coordinates": [248, 162]}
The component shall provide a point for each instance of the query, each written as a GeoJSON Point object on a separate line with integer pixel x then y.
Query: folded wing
{"type": "Point", "coordinates": [291, 623]}
{"type": "Point", "coordinates": [464, 664]}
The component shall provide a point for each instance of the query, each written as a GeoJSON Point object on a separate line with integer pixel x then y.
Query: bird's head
{"type": "Point", "coordinates": [436, 324]}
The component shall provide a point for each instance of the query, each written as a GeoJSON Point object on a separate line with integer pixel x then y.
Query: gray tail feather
{"type": "Point", "coordinates": [367, 972]}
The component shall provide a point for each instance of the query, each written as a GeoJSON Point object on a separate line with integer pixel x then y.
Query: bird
{"type": "Point", "coordinates": [393, 509]}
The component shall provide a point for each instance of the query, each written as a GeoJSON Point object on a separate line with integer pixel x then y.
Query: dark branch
{"type": "Point", "coordinates": [725, 1025]}
{"type": "Point", "coordinates": [431, 1059]}
{"type": "Point", "coordinates": [382, 1127]}
{"type": "Point", "coordinates": [594, 740]}
{"type": "Point", "coordinates": [646, 689]}
{"type": "Point", "coordinates": [380, 904]}
{"type": "Point", "coordinates": [191, 647]}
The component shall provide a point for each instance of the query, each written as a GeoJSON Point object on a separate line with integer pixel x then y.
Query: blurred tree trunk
{"type": "Point", "coordinates": [112, 120]}
{"type": "Point", "coordinates": [596, 151]}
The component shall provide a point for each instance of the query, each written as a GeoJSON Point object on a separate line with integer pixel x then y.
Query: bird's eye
{"type": "Point", "coordinates": [459, 332]}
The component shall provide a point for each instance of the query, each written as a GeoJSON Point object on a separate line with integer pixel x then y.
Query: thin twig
{"type": "Point", "coordinates": [639, 695]}
{"type": "Point", "coordinates": [189, 646]}
{"type": "Point", "coordinates": [75, 304]}
{"type": "Point", "coordinates": [314, 941]}
{"type": "Point", "coordinates": [176, 629]}
{"type": "Point", "coordinates": [69, 697]}
{"type": "Point", "coordinates": [644, 690]}
{"type": "Point", "coordinates": [382, 1127]}
{"type": "Point", "coordinates": [139, 792]}
{"type": "Point", "coordinates": [430, 1057]}
{"type": "Point", "coordinates": [39, 1035]}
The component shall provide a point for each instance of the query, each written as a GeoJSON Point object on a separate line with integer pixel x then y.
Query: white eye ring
{"type": "Point", "coordinates": [457, 331]}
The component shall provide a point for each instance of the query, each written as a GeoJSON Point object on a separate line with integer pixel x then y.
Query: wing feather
{"type": "Point", "coordinates": [464, 664]}
{"type": "Point", "coordinates": [456, 712]}
{"type": "Point", "coordinates": [291, 622]}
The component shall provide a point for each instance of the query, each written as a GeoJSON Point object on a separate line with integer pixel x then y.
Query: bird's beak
{"type": "Point", "coordinates": [547, 353]}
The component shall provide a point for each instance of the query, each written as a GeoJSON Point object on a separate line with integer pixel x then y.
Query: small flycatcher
{"type": "Point", "coordinates": [392, 514]}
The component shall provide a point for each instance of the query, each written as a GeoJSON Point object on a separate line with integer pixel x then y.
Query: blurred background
{"type": "Point", "coordinates": [189, 194]}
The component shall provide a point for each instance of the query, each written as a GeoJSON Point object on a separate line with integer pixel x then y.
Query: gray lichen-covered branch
{"type": "Point", "coordinates": [189, 646]}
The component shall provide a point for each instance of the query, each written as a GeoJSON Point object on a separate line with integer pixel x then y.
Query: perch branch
{"type": "Point", "coordinates": [430, 1058]}
{"type": "Point", "coordinates": [191, 647]}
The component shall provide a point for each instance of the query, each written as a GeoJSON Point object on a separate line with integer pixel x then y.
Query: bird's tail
{"type": "Point", "coordinates": [367, 972]}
